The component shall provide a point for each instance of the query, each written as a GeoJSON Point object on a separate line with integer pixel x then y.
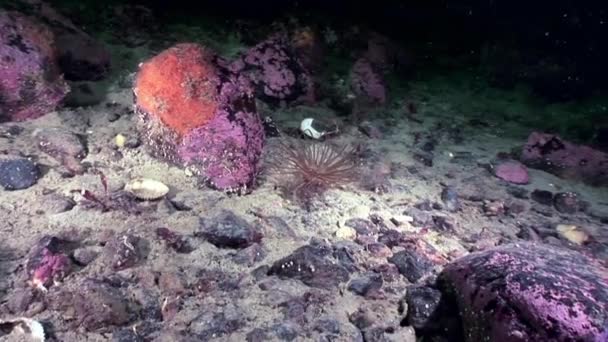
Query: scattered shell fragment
{"type": "Point", "coordinates": [120, 140]}
{"type": "Point", "coordinates": [572, 233]}
{"type": "Point", "coordinates": [346, 233]}
{"type": "Point", "coordinates": [23, 325]}
{"type": "Point", "coordinates": [146, 188]}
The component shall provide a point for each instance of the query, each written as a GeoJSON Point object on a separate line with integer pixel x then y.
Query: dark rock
{"type": "Point", "coordinates": [66, 147]}
{"type": "Point", "coordinates": [250, 255]}
{"type": "Point", "coordinates": [174, 240]}
{"type": "Point", "coordinates": [55, 204]}
{"type": "Point", "coordinates": [528, 292]}
{"type": "Point", "coordinates": [449, 196]}
{"type": "Point", "coordinates": [566, 202]}
{"type": "Point", "coordinates": [20, 299]}
{"type": "Point", "coordinates": [211, 325]}
{"type": "Point", "coordinates": [425, 158]}
{"type": "Point", "coordinates": [311, 265]}
{"type": "Point", "coordinates": [514, 208]}
{"type": "Point", "coordinates": [370, 130]}
{"type": "Point", "coordinates": [425, 205]}
{"type": "Point", "coordinates": [361, 226]}
{"type": "Point", "coordinates": [327, 325]}
{"type": "Point", "coordinates": [443, 223]}
{"type": "Point", "coordinates": [516, 192]}
{"type": "Point", "coordinates": [366, 284]}
{"type": "Point", "coordinates": [85, 255]}
{"type": "Point", "coordinates": [379, 250]}
{"type": "Point", "coordinates": [91, 304]}
{"type": "Point", "coordinates": [18, 174]}
{"type": "Point", "coordinates": [285, 331]}
{"type": "Point", "coordinates": [420, 217]}
{"type": "Point", "coordinates": [422, 304]}
{"type": "Point", "coordinates": [229, 231]}
{"type": "Point", "coordinates": [542, 196]}
{"type": "Point", "coordinates": [257, 335]}
{"type": "Point", "coordinates": [122, 251]}
{"type": "Point", "coordinates": [411, 264]}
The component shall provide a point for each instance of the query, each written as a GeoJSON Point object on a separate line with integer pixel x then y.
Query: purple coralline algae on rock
{"type": "Point", "coordinates": [553, 154]}
{"type": "Point", "coordinates": [31, 84]}
{"type": "Point", "coordinates": [529, 292]}
{"type": "Point", "coordinates": [512, 172]}
{"type": "Point", "coordinates": [367, 83]}
{"type": "Point", "coordinates": [275, 71]}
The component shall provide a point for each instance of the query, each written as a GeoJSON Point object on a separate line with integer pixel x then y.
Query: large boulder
{"type": "Point", "coordinates": [529, 292]}
{"type": "Point", "coordinates": [31, 83]}
{"type": "Point", "coordinates": [551, 153]}
{"type": "Point", "coordinates": [194, 112]}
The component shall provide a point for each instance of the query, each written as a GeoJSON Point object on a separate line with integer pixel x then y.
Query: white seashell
{"type": "Point", "coordinates": [146, 188]}
{"type": "Point", "coordinates": [307, 128]}
{"type": "Point", "coordinates": [23, 325]}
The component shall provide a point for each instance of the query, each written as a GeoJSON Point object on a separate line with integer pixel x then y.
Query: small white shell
{"type": "Point", "coordinates": [146, 188]}
{"type": "Point", "coordinates": [28, 326]}
{"type": "Point", "coordinates": [307, 128]}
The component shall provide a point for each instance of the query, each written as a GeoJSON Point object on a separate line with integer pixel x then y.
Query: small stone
{"type": "Point", "coordinates": [361, 226]}
{"type": "Point", "coordinates": [122, 251]}
{"type": "Point", "coordinates": [365, 285]}
{"type": "Point", "coordinates": [443, 223]}
{"type": "Point", "coordinates": [566, 202]}
{"type": "Point", "coordinates": [422, 302]}
{"type": "Point", "coordinates": [227, 230]}
{"type": "Point", "coordinates": [379, 250]}
{"type": "Point", "coordinates": [56, 204]}
{"type": "Point", "coordinates": [18, 174]}
{"type": "Point", "coordinates": [172, 284]}
{"type": "Point", "coordinates": [449, 196]}
{"type": "Point", "coordinates": [425, 205]}
{"type": "Point", "coordinates": [64, 146]}
{"type": "Point", "coordinates": [411, 264]}
{"type": "Point", "coordinates": [420, 217]}
{"type": "Point", "coordinates": [173, 240]}
{"type": "Point", "coordinates": [85, 255]}
{"type": "Point", "coordinates": [250, 255]}
{"type": "Point", "coordinates": [311, 265]}
{"type": "Point", "coordinates": [512, 172]}
{"type": "Point", "coordinates": [542, 196]}
{"type": "Point", "coordinates": [572, 233]}
{"type": "Point", "coordinates": [120, 140]}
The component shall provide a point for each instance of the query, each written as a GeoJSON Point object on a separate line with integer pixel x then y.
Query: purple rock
{"type": "Point", "coordinates": [274, 70]}
{"type": "Point", "coordinates": [411, 264]}
{"type": "Point", "coordinates": [229, 231]}
{"type": "Point", "coordinates": [367, 83]}
{"type": "Point", "coordinates": [565, 159]}
{"type": "Point", "coordinates": [529, 292]}
{"type": "Point", "coordinates": [31, 84]}
{"type": "Point", "coordinates": [512, 172]}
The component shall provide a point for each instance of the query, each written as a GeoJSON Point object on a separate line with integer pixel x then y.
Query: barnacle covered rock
{"type": "Point", "coordinates": [31, 83]}
{"type": "Point", "coordinates": [529, 292]}
{"type": "Point", "coordinates": [196, 113]}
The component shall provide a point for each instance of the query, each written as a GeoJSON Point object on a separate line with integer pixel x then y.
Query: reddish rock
{"type": "Point", "coordinates": [512, 172]}
{"type": "Point", "coordinates": [528, 292]}
{"type": "Point", "coordinates": [194, 112]}
{"type": "Point", "coordinates": [31, 83]}
{"type": "Point", "coordinates": [565, 159]}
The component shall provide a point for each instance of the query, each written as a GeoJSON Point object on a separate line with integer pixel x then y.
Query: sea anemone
{"type": "Point", "coordinates": [305, 170]}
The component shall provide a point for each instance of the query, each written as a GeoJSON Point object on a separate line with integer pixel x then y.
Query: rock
{"type": "Point", "coordinates": [64, 146]}
{"type": "Point", "coordinates": [444, 223]}
{"type": "Point", "coordinates": [422, 304]}
{"type": "Point", "coordinates": [494, 208]}
{"type": "Point", "coordinates": [80, 57]}
{"type": "Point", "coordinates": [91, 304]}
{"type": "Point", "coordinates": [20, 299]}
{"type": "Point", "coordinates": [312, 266]}
{"type": "Point", "coordinates": [56, 204]}
{"type": "Point", "coordinates": [86, 255]}
{"type": "Point", "coordinates": [449, 196]}
{"type": "Point", "coordinates": [512, 172]}
{"type": "Point", "coordinates": [174, 240]}
{"type": "Point", "coordinates": [346, 233]}
{"type": "Point", "coordinates": [542, 196]}
{"type": "Point", "coordinates": [212, 325]}
{"type": "Point", "coordinates": [229, 231]}
{"type": "Point", "coordinates": [370, 130]}
{"type": "Point", "coordinates": [31, 84]}
{"type": "Point", "coordinates": [411, 264]}
{"type": "Point", "coordinates": [172, 284]}
{"type": "Point", "coordinates": [421, 218]}
{"type": "Point", "coordinates": [250, 255]}
{"type": "Point", "coordinates": [275, 71]}
{"type": "Point", "coordinates": [361, 226]}
{"type": "Point", "coordinates": [48, 262]}
{"type": "Point", "coordinates": [194, 112]}
{"type": "Point", "coordinates": [367, 83]}
{"type": "Point", "coordinates": [566, 202]}
{"type": "Point", "coordinates": [365, 285]}
{"type": "Point", "coordinates": [121, 252]}
{"type": "Point", "coordinates": [528, 292]}
{"type": "Point", "coordinates": [18, 174]}
{"type": "Point", "coordinates": [553, 154]}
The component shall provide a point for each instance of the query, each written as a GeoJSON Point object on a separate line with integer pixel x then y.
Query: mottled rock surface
{"type": "Point", "coordinates": [529, 292]}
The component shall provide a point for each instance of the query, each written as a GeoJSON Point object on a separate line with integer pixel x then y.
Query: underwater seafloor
{"type": "Point", "coordinates": [427, 190]}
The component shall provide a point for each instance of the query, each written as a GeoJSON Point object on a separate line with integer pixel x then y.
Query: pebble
{"type": "Point", "coordinates": [566, 202]}
{"type": "Point", "coordinates": [513, 172]}
{"type": "Point", "coordinates": [449, 196]}
{"type": "Point", "coordinates": [365, 285]}
{"type": "Point", "coordinates": [542, 196]}
{"type": "Point", "coordinates": [18, 174]}
{"type": "Point", "coordinates": [64, 146]}
{"type": "Point", "coordinates": [228, 230]}
{"type": "Point", "coordinates": [411, 264]}
{"type": "Point", "coordinates": [422, 302]}
{"type": "Point", "coordinates": [122, 251]}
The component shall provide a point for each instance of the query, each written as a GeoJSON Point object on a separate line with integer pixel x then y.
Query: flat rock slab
{"type": "Point", "coordinates": [529, 292]}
